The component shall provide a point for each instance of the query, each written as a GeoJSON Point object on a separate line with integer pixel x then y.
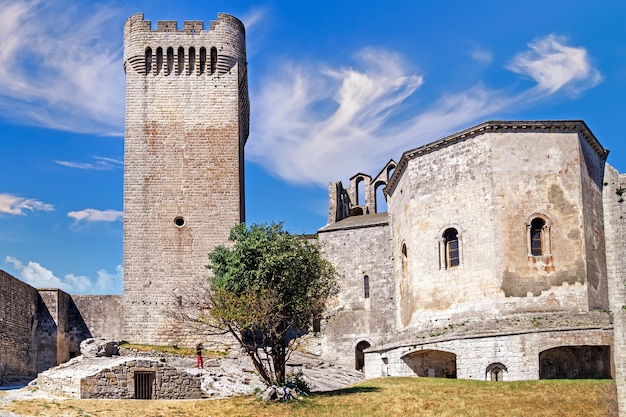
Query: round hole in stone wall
{"type": "Point", "coordinates": [179, 221]}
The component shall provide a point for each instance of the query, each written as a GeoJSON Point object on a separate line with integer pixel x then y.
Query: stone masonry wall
{"type": "Point", "coordinates": [18, 307]}
{"type": "Point", "coordinates": [186, 126]}
{"type": "Point", "coordinates": [356, 251]}
{"type": "Point", "coordinates": [488, 188]}
{"type": "Point", "coordinates": [615, 228]}
{"type": "Point", "coordinates": [102, 315]}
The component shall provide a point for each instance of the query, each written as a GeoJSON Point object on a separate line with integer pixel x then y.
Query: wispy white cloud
{"type": "Point", "coordinates": [100, 164]}
{"type": "Point", "coordinates": [12, 204]}
{"type": "Point", "coordinates": [324, 125]}
{"type": "Point", "coordinates": [93, 215]}
{"type": "Point", "coordinates": [555, 66]}
{"type": "Point", "coordinates": [40, 277]}
{"type": "Point", "coordinates": [481, 55]}
{"type": "Point", "coordinates": [60, 67]}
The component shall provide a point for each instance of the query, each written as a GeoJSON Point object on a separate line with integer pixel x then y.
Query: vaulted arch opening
{"type": "Point", "coordinates": [575, 362]}
{"type": "Point", "coordinates": [432, 363]}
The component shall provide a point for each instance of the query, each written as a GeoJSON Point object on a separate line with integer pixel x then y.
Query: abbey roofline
{"type": "Point", "coordinates": [578, 126]}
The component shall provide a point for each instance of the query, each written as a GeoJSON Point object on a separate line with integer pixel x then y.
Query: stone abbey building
{"type": "Point", "coordinates": [501, 255]}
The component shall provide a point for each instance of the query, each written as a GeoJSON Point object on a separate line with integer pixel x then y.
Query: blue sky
{"type": "Point", "coordinates": [336, 88]}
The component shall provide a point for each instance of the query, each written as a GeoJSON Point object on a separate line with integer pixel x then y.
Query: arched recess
{"type": "Point", "coordinates": [496, 372]}
{"type": "Point", "coordinates": [360, 191]}
{"type": "Point", "coordinates": [359, 356]}
{"type": "Point", "coordinates": [432, 363]}
{"type": "Point", "coordinates": [576, 362]}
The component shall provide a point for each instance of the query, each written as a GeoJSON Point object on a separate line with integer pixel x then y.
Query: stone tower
{"type": "Point", "coordinates": [187, 119]}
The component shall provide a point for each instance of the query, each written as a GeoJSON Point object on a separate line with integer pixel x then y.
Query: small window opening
{"type": "Point", "coordinates": [170, 61]}
{"type": "Point", "coordinates": [202, 60]}
{"type": "Point", "coordinates": [148, 62]}
{"type": "Point", "coordinates": [451, 241]}
{"type": "Point", "coordinates": [192, 60]}
{"type": "Point", "coordinates": [405, 261]}
{"type": "Point", "coordinates": [366, 286]}
{"type": "Point", "coordinates": [181, 61]}
{"type": "Point", "coordinates": [144, 385]}
{"type": "Point", "coordinates": [179, 221]}
{"type": "Point", "coordinates": [213, 59]}
{"type": "Point", "coordinates": [537, 237]}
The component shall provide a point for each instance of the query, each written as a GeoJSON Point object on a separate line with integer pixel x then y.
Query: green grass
{"type": "Point", "coordinates": [427, 397]}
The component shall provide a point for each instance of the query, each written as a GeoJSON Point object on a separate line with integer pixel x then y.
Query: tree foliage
{"type": "Point", "coordinates": [269, 285]}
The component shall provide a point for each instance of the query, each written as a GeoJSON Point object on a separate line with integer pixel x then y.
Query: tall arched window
{"type": "Point", "coordinates": [366, 286]}
{"type": "Point", "coordinates": [170, 61]}
{"type": "Point", "coordinates": [181, 61]}
{"type": "Point", "coordinates": [451, 244]}
{"type": "Point", "coordinates": [202, 60]}
{"type": "Point", "coordinates": [159, 63]}
{"type": "Point", "coordinates": [538, 235]}
{"type": "Point", "coordinates": [213, 59]}
{"type": "Point", "coordinates": [192, 60]}
{"type": "Point", "coordinates": [148, 62]}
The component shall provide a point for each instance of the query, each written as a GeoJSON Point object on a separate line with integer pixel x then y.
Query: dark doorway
{"type": "Point", "coordinates": [359, 356]}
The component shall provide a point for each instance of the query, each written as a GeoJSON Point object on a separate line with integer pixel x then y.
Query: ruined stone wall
{"type": "Point", "coordinates": [18, 308]}
{"type": "Point", "coordinates": [489, 187]}
{"type": "Point", "coordinates": [101, 315]}
{"type": "Point", "coordinates": [615, 228]}
{"type": "Point", "coordinates": [186, 126]}
{"type": "Point", "coordinates": [53, 338]}
{"type": "Point", "coordinates": [356, 251]}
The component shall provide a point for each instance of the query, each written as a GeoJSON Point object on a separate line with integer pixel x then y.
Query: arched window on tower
{"type": "Point", "coordinates": [366, 286]}
{"type": "Point", "coordinates": [170, 61]}
{"type": "Point", "coordinates": [451, 248]}
{"type": "Point", "coordinates": [538, 236]}
{"type": "Point", "coordinates": [148, 62]}
{"type": "Point", "coordinates": [202, 60]}
{"type": "Point", "coordinates": [213, 59]}
{"type": "Point", "coordinates": [192, 60]}
{"type": "Point", "coordinates": [159, 58]}
{"type": "Point", "coordinates": [181, 61]}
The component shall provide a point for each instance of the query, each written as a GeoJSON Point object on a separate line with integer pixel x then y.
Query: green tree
{"type": "Point", "coordinates": [269, 285]}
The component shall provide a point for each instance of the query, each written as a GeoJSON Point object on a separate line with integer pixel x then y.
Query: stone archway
{"type": "Point", "coordinates": [359, 356]}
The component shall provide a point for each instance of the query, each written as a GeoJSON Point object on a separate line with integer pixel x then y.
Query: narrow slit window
{"type": "Point", "coordinates": [451, 241]}
{"type": "Point", "coordinates": [366, 286]}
